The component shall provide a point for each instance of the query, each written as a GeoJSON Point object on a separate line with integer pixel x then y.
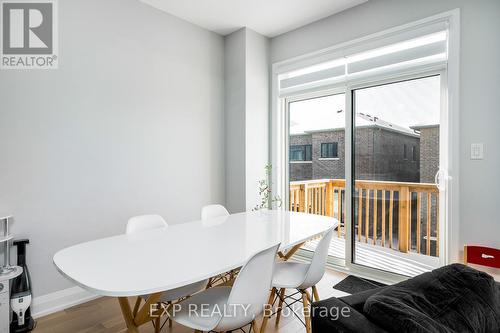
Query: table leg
{"type": "Point", "coordinates": [137, 305]}
{"type": "Point", "coordinates": [291, 252]}
{"type": "Point", "coordinates": [143, 315]}
{"type": "Point", "coordinates": [157, 325]}
{"type": "Point", "coordinates": [127, 315]}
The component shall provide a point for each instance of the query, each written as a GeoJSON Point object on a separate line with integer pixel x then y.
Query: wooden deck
{"type": "Point", "coordinates": [408, 264]}
{"type": "Point", "coordinates": [394, 215]}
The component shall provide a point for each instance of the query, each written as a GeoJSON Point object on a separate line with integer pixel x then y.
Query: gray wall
{"type": "Point", "coordinates": [479, 86]}
{"type": "Point", "coordinates": [234, 109]}
{"type": "Point", "coordinates": [130, 123]}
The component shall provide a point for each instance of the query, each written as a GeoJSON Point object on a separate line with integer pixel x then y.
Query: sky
{"type": "Point", "coordinates": [407, 103]}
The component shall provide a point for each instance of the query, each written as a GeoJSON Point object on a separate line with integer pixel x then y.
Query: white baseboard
{"type": "Point", "coordinates": [60, 300]}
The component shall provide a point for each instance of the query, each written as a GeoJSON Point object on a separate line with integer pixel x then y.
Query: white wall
{"type": "Point", "coordinates": [479, 87]}
{"type": "Point", "coordinates": [257, 115]}
{"type": "Point", "coordinates": [130, 123]}
{"type": "Point", "coordinates": [247, 117]}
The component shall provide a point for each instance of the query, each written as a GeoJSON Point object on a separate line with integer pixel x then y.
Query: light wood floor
{"type": "Point", "coordinates": [103, 315]}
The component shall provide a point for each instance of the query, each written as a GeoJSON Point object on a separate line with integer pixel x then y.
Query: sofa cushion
{"type": "Point", "coordinates": [454, 298]}
{"type": "Point", "coordinates": [357, 301]}
{"type": "Point", "coordinates": [333, 315]}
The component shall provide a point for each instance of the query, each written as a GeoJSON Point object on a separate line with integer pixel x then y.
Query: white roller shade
{"type": "Point", "coordinates": [426, 45]}
{"type": "Point", "coordinates": [328, 73]}
{"type": "Point", "coordinates": [404, 52]}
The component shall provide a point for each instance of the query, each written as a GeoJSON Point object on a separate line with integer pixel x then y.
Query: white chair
{"type": "Point", "coordinates": [145, 222]}
{"type": "Point", "coordinates": [148, 222]}
{"type": "Point", "coordinates": [225, 308]}
{"type": "Point", "coordinates": [211, 212]}
{"type": "Point", "coordinates": [300, 276]}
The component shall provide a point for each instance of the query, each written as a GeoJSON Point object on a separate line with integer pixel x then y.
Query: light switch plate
{"type": "Point", "coordinates": [476, 151]}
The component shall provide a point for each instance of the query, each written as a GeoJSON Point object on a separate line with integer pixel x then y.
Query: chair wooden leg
{"type": "Point", "coordinates": [307, 317]}
{"type": "Point", "coordinates": [265, 317]}
{"type": "Point", "coordinates": [280, 306]}
{"type": "Point", "coordinates": [254, 326]}
{"type": "Point", "coordinates": [309, 297]}
{"type": "Point", "coordinates": [315, 293]}
{"type": "Point", "coordinates": [137, 305]}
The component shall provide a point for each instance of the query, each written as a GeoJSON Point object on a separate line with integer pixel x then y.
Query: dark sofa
{"type": "Point", "coordinates": [454, 298]}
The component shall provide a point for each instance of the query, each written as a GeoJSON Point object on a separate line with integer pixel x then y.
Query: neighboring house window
{"type": "Point", "coordinates": [414, 153]}
{"type": "Point", "coordinates": [405, 152]}
{"type": "Point", "coordinates": [329, 150]}
{"type": "Point", "coordinates": [301, 153]}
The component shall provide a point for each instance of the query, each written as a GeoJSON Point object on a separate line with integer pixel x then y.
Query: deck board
{"type": "Point", "coordinates": [408, 264]}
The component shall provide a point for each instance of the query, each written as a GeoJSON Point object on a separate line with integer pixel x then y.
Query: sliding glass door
{"type": "Point", "coordinates": [317, 160]}
{"type": "Point", "coordinates": [396, 155]}
{"type": "Point", "coordinates": [362, 134]}
{"type": "Point", "coordinates": [396, 159]}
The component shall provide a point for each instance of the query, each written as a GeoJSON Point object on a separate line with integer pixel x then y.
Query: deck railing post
{"type": "Point", "coordinates": [303, 198]}
{"type": "Point", "coordinates": [404, 218]}
{"type": "Point", "coordinates": [329, 199]}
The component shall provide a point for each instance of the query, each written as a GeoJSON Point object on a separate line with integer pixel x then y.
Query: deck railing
{"type": "Point", "coordinates": [396, 215]}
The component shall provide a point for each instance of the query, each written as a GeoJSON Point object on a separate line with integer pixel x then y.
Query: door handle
{"type": "Point", "coordinates": [436, 178]}
{"type": "Point", "coordinates": [441, 175]}
{"type": "Point", "coordinates": [440, 179]}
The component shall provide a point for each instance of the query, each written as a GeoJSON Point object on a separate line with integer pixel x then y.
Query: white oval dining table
{"type": "Point", "coordinates": [150, 262]}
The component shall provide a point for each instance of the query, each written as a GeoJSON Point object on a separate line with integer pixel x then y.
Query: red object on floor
{"type": "Point", "coordinates": [481, 255]}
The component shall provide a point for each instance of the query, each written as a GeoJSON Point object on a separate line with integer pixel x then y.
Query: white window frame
{"type": "Point", "coordinates": [449, 247]}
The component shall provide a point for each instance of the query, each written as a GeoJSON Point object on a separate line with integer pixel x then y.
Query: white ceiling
{"type": "Point", "coordinates": [268, 17]}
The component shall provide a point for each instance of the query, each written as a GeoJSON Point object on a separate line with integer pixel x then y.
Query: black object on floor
{"type": "Point", "coordinates": [20, 298]}
{"type": "Point", "coordinates": [353, 284]}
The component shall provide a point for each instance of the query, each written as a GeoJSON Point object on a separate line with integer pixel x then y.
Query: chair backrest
{"type": "Point", "coordinates": [317, 267]}
{"type": "Point", "coordinates": [145, 222]}
{"type": "Point", "coordinates": [250, 290]}
{"type": "Point", "coordinates": [212, 211]}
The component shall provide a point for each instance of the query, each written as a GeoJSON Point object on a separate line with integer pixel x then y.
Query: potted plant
{"type": "Point", "coordinates": [267, 200]}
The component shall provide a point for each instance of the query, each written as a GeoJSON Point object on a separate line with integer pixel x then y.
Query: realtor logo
{"type": "Point", "coordinates": [29, 34]}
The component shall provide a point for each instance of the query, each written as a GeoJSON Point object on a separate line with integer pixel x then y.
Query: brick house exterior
{"type": "Point", "coordinates": [301, 170]}
{"type": "Point", "coordinates": [429, 152]}
{"type": "Point", "coordinates": [379, 155]}
{"type": "Point", "coordinates": [325, 167]}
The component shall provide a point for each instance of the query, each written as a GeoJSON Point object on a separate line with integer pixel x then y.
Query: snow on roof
{"type": "Point", "coordinates": [424, 125]}
{"type": "Point", "coordinates": [364, 120]}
